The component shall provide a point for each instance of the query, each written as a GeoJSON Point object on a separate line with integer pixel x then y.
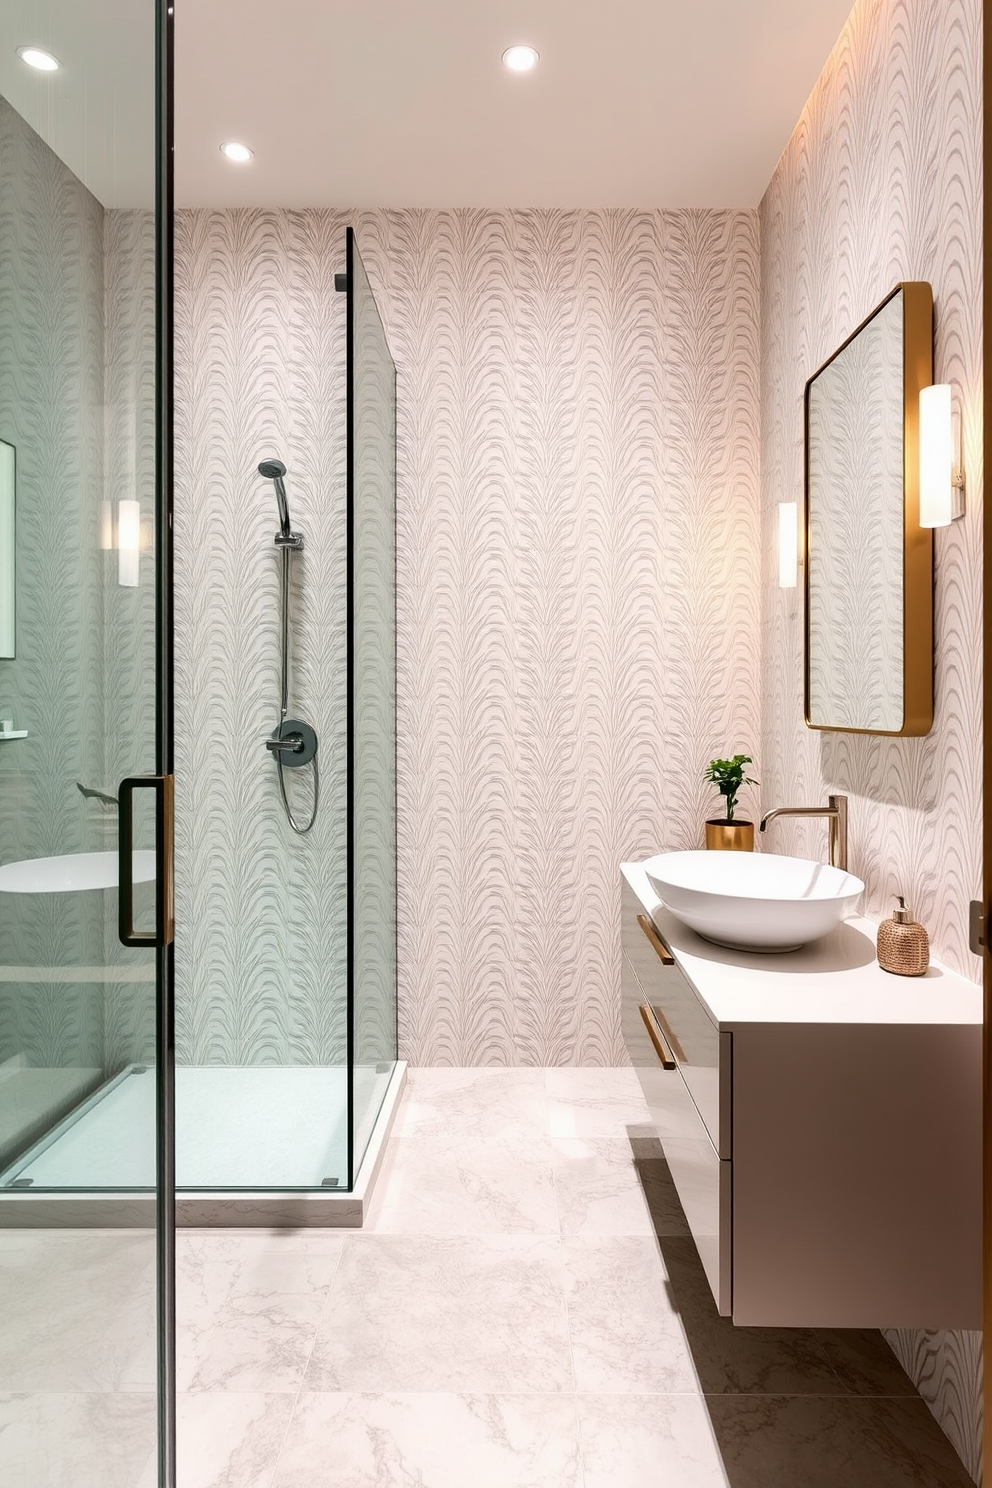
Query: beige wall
{"type": "Point", "coordinates": [880, 182]}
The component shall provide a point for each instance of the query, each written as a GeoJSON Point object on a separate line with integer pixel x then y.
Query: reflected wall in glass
{"type": "Point", "coordinates": [78, 400]}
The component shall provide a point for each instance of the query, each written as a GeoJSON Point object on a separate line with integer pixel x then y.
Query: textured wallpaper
{"type": "Point", "coordinates": [881, 182]}
{"type": "Point", "coordinates": [77, 380]}
{"type": "Point", "coordinates": [51, 410]}
{"type": "Point", "coordinates": [260, 912]}
{"type": "Point", "coordinates": [578, 608]}
{"type": "Point", "coordinates": [128, 744]}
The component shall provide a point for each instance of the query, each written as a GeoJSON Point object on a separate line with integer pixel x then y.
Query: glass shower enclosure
{"type": "Point", "coordinates": [286, 941]}
{"type": "Point", "coordinates": [87, 1319]}
{"type": "Point", "coordinates": [286, 1020]}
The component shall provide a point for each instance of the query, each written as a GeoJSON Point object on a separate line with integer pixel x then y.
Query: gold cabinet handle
{"type": "Point", "coordinates": [670, 1038]}
{"type": "Point", "coordinates": [660, 948]}
{"type": "Point", "coordinates": [657, 1038]}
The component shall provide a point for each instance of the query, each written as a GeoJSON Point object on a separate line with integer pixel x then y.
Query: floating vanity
{"type": "Point", "coordinates": [822, 1120]}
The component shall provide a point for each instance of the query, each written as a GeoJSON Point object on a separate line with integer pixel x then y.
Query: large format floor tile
{"type": "Point", "coordinates": [408, 1312]}
{"type": "Point", "coordinates": [98, 1440]}
{"type": "Point", "coordinates": [596, 1103]}
{"type": "Point", "coordinates": [260, 1335]}
{"type": "Point", "coordinates": [525, 1309]}
{"type": "Point", "coordinates": [819, 1442]}
{"type": "Point", "coordinates": [228, 1439]}
{"type": "Point", "coordinates": [605, 1186]}
{"type": "Point", "coordinates": [651, 1441]}
{"type": "Point", "coordinates": [431, 1441]}
{"type": "Point", "coordinates": [626, 1334]}
{"type": "Point", "coordinates": [459, 1183]}
{"type": "Point", "coordinates": [474, 1102]}
{"type": "Point", "coordinates": [79, 1310]}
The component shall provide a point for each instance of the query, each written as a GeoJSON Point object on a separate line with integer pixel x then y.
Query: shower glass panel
{"type": "Point", "coordinates": [372, 704]}
{"type": "Point", "coordinates": [286, 919]}
{"type": "Point", "coordinates": [86, 1387]}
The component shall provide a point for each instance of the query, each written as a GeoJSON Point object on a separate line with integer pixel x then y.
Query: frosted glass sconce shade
{"type": "Point", "coordinates": [128, 543]}
{"type": "Point", "coordinates": [788, 544]}
{"type": "Point", "coordinates": [941, 479]}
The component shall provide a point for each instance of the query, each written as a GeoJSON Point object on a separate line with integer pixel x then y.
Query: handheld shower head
{"type": "Point", "coordinates": [274, 470]}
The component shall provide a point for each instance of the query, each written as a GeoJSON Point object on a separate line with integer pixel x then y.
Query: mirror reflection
{"type": "Point", "coordinates": [864, 544]}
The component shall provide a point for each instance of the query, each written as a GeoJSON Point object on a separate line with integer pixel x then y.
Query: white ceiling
{"type": "Point", "coordinates": [406, 103]}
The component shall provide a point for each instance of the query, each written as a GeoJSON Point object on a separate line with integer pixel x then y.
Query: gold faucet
{"type": "Point", "coordinates": [835, 812]}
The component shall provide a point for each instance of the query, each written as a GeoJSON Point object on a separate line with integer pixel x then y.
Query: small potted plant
{"type": "Point", "coordinates": [723, 832]}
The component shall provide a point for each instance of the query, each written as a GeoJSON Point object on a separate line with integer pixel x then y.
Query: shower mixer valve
{"type": "Point", "coordinates": [292, 742]}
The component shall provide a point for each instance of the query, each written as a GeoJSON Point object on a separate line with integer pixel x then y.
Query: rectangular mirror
{"type": "Point", "coordinates": [869, 564]}
{"type": "Point", "coordinates": [7, 486]}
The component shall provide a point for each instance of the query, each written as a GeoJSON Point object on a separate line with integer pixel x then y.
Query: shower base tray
{"type": "Point", "coordinates": [107, 1141]}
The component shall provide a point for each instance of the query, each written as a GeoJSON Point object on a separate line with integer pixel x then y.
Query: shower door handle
{"type": "Point", "coordinates": [164, 788]}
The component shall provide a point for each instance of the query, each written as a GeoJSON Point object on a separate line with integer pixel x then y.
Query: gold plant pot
{"type": "Point", "coordinates": [727, 836]}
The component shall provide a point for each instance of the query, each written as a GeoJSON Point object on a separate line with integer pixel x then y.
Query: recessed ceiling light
{"type": "Point", "coordinates": [39, 60]}
{"type": "Point", "coordinates": [240, 154]}
{"type": "Point", "coordinates": [520, 58]}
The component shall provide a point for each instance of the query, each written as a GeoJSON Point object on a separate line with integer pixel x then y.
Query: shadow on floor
{"type": "Point", "coordinates": [795, 1407]}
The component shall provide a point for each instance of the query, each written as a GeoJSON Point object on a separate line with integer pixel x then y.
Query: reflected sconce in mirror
{"type": "Point", "coordinates": [788, 544]}
{"type": "Point", "coordinates": [941, 474]}
{"type": "Point", "coordinates": [8, 469]}
{"type": "Point", "coordinates": [128, 543]}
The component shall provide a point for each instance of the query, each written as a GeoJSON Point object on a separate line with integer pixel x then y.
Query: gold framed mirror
{"type": "Point", "coordinates": [869, 563]}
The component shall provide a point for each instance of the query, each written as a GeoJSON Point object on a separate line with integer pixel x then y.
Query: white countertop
{"type": "Point", "coordinates": [833, 980]}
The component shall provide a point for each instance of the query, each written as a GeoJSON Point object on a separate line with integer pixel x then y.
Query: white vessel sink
{"type": "Point", "coordinates": [754, 901]}
{"type": "Point", "coordinates": [72, 872]}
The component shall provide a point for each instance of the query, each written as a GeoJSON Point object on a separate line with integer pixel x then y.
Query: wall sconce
{"type": "Point", "coordinates": [788, 544]}
{"type": "Point", "coordinates": [941, 474]}
{"type": "Point", "coordinates": [128, 543]}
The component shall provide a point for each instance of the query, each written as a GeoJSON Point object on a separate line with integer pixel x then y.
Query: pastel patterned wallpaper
{"type": "Point", "coordinates": [51, 394]}
{"type": "Point", "coordinates": [77, 400]}
{"type": "Point", "coordinates": [880, 182]}
{"type": "Point", "coordinates": [578, 608]}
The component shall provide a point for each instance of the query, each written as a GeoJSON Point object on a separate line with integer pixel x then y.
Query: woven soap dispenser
{"type": "Point", "coordinates": [903, 944]}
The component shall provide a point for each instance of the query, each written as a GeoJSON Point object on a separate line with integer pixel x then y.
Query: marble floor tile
{"type": "Point", "coordinates": [626, 1333]}
{"type": "Point", "coordinates": [479, 1102]}
{"type": "Point", "coordinates": [229, 1439]}
{"type": "Point", "coordinates": [747, 1361]}
{"type": "Point", "coordinates": [479, 1315]}
{"type": "Point", "coordinates": [864, 1363]}
{"type": "Point", "coordinates": [651, 1441]}
{"type": "Point", "coordinates": [819, 1442]}
{"type": "Point", "coordinates": [79, 1310]}
{"type": "Point", "coordinates": [457, 1183]}
{"type": "Point", "coordinates": [98, 1440]}
{"type": "Point", "coordinates": [603, 1189]}
{"type": "Point", "coordinates": [431, 1441]}
{"type": "Point", "coordinates": [596, 1103]}
{"type": "Point", "coordinates": [260, 1336]}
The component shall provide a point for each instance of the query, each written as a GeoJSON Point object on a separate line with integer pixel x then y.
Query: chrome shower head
{"type": "Point", "coordinates": [274, 470]}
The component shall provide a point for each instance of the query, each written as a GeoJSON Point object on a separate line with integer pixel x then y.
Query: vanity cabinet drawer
{"type": "Point", "coordinates": [690, 1033]}
{"type": "Point", "coordinates": [702, 1179]}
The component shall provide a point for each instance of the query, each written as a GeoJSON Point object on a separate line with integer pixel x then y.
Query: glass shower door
{"type": "Point", "coordinates": [86, 1208]}
{"type": "Point", "coordinates": [372, 707]}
